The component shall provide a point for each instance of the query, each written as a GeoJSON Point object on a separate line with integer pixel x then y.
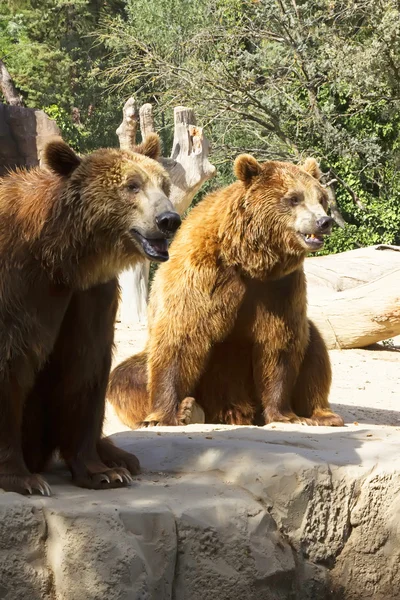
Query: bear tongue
{"type": "Point", "coordinates": [159, 245]}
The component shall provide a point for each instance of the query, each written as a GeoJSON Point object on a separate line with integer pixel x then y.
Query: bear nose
{"type": "Point", "coordinates": [168, 222]}
{"type": "Point", "coordinates": [324, 224]}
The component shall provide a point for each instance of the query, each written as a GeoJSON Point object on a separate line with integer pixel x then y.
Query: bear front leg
{"type": "Point", "coordinates": [173, 374]}
{"type": "Point", "coordinates": [169, 388]}
{"type": "Point", "coordinates": [14, 474]}
{"type": "Point", "coordinates": [82, 356]}
{"type": "Point", "coordinates": [311, 392]}
{"type": "Point", "coordinates": [182, 336]}
{"type": "Point", "coordinates": [275, 376]}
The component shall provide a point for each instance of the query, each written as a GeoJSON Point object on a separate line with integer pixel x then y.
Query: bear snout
{"type": "Point", "coordinates": [324, 224]}
{"type": "Point", "coordinates": [168, 222]}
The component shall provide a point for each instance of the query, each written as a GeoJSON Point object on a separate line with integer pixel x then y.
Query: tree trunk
{"type": "Point", "coordinates": [8, 88]}
{"type": "Point", "coordinates": [354, 297]}
{"type": "Point", "coordinates": [126, 132]}
{"type": "Point", "coordinates": [188, 168]}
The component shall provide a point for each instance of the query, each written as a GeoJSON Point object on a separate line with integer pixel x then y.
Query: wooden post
{"type": "Point", "coordinates": [188, 168]}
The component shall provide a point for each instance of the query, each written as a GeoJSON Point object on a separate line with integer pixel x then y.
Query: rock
{"type": "Point", "coordinates": [280, 512]}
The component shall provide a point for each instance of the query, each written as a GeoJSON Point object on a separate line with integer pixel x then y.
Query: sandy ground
{"type": "Point", "coordinates": [365, 389]}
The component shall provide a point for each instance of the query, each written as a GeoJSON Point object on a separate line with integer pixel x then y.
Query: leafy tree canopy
{"type": "Point", "coordinates": [282, 79]}
{"type": "Point", "coordinates": [49, 49]}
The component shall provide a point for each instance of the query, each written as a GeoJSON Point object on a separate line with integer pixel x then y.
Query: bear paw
{"type": "Point", "coordinates": [286, 417]}
{"type": "Point", "coordinates": [327, 418]}
{"type": "Point", "coordinates": [114, 457]}
{"type": "Point", "coordinates": [104, 479]}
{"type": "Point", "coordinates": [25, 484]}
{"type": "Point", "coordinates": [190, 412]}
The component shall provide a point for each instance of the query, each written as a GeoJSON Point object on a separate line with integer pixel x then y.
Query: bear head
{"type": "Point", "coordinates": [285, 205]}
{"type": "Point", "coordinates": [117, 198]}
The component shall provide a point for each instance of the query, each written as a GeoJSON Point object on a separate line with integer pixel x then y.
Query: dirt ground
{"type": "Point", "coordinates": [365, 387]}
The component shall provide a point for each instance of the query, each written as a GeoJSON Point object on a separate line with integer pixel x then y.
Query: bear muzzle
{"type": "Point", "coordinates": [168, 222]}
{"type": "Point", "coordinates": [154, 244]}
{"type": "Point", "coordinates": [315, 241]}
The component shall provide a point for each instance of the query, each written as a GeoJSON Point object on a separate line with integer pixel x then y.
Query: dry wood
{"type": "Point", "coordinates": [359, 316]}
{"type": "Point", "coordinates": [126, 132]}
{"type": "Point", "coordinates": [8, 88]}
{"type": "Point", "coordinates": [337, 272]}
{"type": "Point", "coordinates": [188, 168]}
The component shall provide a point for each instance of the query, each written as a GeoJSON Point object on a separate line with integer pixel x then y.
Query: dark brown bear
{"type": "Point", "coordinates": [228, 313]}
{"type": "Point", "coordinates": [65, 233]}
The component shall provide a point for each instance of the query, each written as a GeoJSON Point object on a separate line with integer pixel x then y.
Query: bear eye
{"type": "Point", "coordinates": [294, 200]}
{"type": "Point", "coordinates": [133, 187]}
{"type": "Point", "coordinates": [324, 202]}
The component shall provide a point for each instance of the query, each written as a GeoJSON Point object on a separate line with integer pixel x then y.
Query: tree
{"type": "Point", "coordinates": [7, 87]}
{"type": "Point", "coordinates": [281, 79]}
{"type": "Point", "coordinates": [55, 64]}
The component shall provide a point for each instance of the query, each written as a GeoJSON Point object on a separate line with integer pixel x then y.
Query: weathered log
{"type": "Point", "coordinates": [188, 168]}
{"type": "Point", "coordinates": [126, 132]}
{"type": "Point", "coordinates": [359, 316]}
{"type": "Point", "coordinates": [353, 296]}
{"type": "Point", "coordinates": [337, 272]}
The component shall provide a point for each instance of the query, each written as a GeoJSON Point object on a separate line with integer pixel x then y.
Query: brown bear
{"type": "Point", "coordinates": [65, 233]}
{"type": "Point", "coordinates": [228, 313]}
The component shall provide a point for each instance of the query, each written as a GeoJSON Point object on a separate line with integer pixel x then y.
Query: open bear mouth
{"type": "Point", "coordinates": [312, 240]}
{"type": "Point", "coordinates": [154, 249]}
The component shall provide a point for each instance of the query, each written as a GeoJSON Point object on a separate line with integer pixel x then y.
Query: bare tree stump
{"type": "Point", "coordinates": [354, 297]}
{"type": "Point", "coordinates": [8, 88]}
{"type": "Point", "coordinates": [188, 168]}
{"type": "Point", "coordinates": [126, 132]}
{"type": "Point", "coordinates": [146, 120]}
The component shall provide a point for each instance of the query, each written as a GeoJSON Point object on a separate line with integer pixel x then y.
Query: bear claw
{"type": "Point", "coordinates": [25, 484]}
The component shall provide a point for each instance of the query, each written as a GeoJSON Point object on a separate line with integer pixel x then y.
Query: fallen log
{"type": "Point", "coordinates": [359, 316]}
{"type": "Point", "coordinates": [338, 272]}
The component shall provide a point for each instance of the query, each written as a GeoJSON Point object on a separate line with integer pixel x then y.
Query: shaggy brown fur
{"type": "Point", "coordinates": [227, 316]}
{"type": "Point", "coordinates": [65, 233]}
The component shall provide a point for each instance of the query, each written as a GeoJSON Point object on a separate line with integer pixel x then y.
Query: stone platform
{"type": "Point", "coordinates": [283, 512]}
{"type": "Point", "coordinates": [277, 513]}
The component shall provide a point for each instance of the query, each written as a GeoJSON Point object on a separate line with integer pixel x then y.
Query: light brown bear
{"type": "Point", "coordinates": [228, 313]}
{"type": "Point", "coordinates": [65, 233]}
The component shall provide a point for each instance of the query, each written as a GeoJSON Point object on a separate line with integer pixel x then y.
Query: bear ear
{"type": "Point", "coordinates": [246, 167]}
{"type": "Point", "coordinates": [151, 146]}
{"type": "Point", "coordinates": [60, 158]}
{"type": "Point", "coordinates": [311, 167]}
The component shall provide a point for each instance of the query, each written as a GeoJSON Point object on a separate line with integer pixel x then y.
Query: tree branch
{"type": "Point", "coordinates": [348, 189]}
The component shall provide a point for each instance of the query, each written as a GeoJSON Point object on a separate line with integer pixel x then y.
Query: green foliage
{"type": "Point", "coordinates": [55, 63]}
{"type": "Point", "coordinates": [281, 79]}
